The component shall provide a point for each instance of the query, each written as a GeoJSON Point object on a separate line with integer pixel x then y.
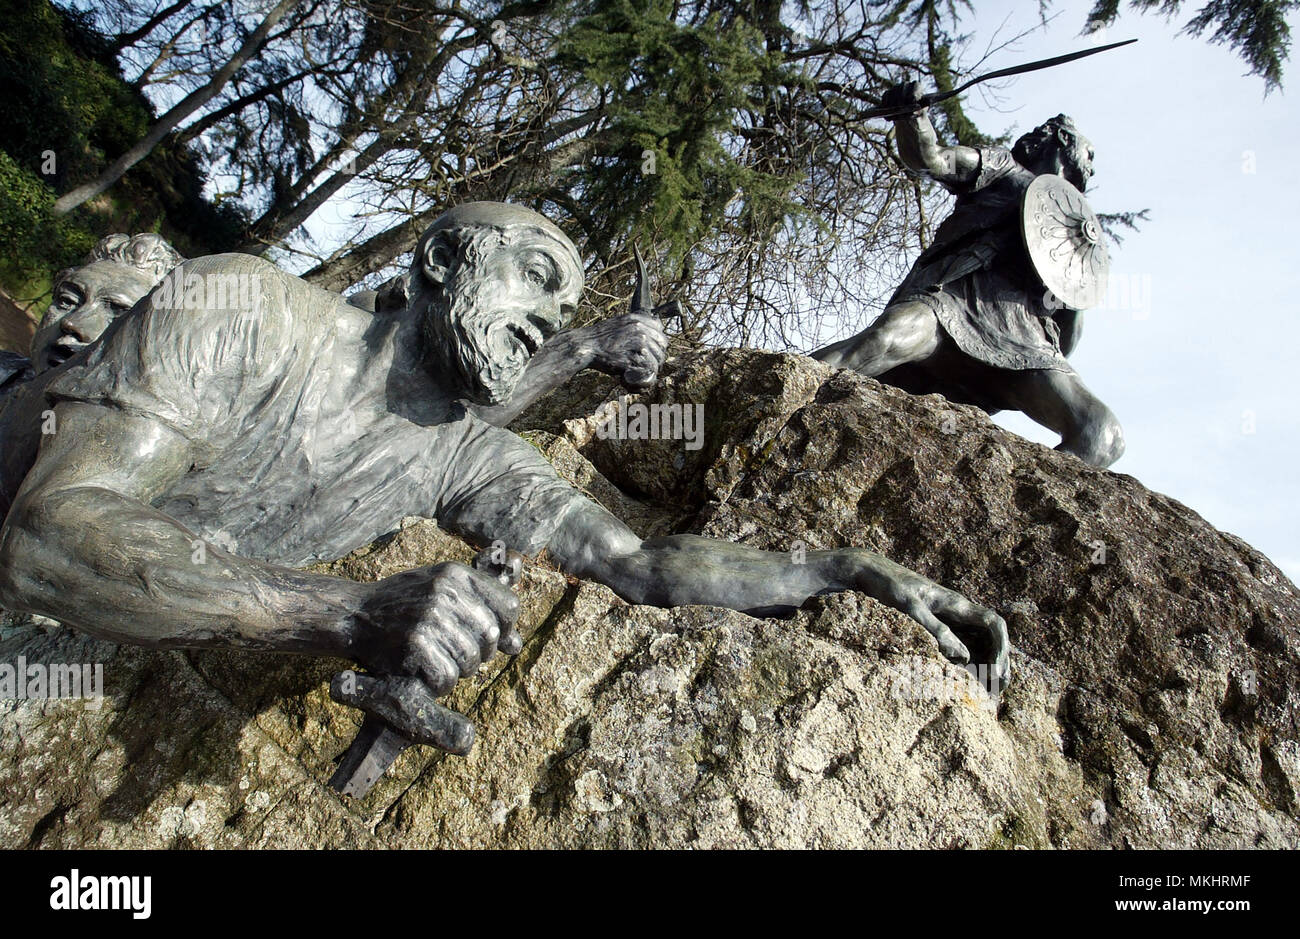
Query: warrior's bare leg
{"type": "Point", "coordinates": [1061, 402]}
{"type": "Point", "coordinates": [905, 332]}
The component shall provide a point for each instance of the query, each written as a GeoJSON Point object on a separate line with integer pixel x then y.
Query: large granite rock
{"type": "Point", "coordinates": [1153, 704]}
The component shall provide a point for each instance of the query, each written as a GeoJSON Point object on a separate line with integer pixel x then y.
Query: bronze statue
{"type": "Point", "coordinates": [200, 453]}
{"type": "Point", "coordinates": [975, 319]}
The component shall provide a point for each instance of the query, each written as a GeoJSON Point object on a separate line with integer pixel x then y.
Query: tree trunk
{"type": "Point", "coordinates": [212, 118]}
{"type": "Point", "coordinates": [295, 205]}
{"type": "Point", "coordinates": [271, 229]}
{"type": "Point", "coordinates": [168, 122]}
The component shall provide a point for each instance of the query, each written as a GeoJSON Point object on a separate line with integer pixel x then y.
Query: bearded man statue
{"type": "Point", "coordinates": [300, 427]}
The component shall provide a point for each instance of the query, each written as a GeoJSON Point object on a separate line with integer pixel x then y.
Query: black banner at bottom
{"type": "Point", "coordinates": [130, 890]}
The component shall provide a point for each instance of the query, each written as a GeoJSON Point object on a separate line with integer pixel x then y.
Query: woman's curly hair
{"type": "Point", "coordinates": [146, 252]}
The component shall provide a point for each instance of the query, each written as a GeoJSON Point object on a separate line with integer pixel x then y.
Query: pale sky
{"type": "Point", "coordinates": [1199, 360]}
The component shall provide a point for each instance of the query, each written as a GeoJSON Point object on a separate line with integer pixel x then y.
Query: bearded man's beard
{"type": "Point", "coordinates": [1074, 175]}
{"type": "Point", "coordinates": [471, 339]}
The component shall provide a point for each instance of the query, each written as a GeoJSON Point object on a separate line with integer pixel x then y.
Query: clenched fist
{"type": "Point", "coordinates": [631, 346]}
{"type": "Point", "coordinates": [437, 624]}
{"type": "Point", "coordinates": [905, 96]}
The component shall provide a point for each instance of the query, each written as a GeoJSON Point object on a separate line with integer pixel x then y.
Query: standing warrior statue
{"type": "Point", "coordinates": [991, 309]}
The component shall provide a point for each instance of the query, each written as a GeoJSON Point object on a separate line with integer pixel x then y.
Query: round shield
{"type": "Point", "coordinates": [1065, 242]}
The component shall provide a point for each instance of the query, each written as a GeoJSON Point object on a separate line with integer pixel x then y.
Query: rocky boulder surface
{"type": "Point", "coordinates": [1153, 701]}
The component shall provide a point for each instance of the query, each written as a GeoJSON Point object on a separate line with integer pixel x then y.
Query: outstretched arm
{"type": "Point", "coordinates": [918, 144]}
{"type": "Point", "coordinates": [687, 569]}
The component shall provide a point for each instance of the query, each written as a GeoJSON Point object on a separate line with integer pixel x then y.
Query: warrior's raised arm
{"type": "Point", "coordinates": [918, 144]}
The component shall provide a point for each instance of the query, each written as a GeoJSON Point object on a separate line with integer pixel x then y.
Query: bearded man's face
{"type": "Point", "coordinates": [494, 297]}
{"type": "Point", "coordinates": [1076, 161]}
{"type": "Point", "coordinates": [1070, 155]}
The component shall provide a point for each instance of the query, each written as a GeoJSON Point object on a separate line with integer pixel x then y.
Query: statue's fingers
{"type": "Point", "coordinates": [653, 355]}
{"type": "Point", "coordinates": [952, 647]}
{"type": "Point", "coordinates": [653, 342]}
{"type": "Point", "coordinates": [954, 606]}
{"type": "Point", "coordinates": [431, 664]}
{"type": "Point", "coordinates": [642, 371]}
{"type": "Point", "coordinates": [511, 642]}
{"type": "Point", "coordinates": [651, 325]}
{"type": "Point", "coordinates": [503, 602]}
{"type": "Point", "coordinates": [456, 618]}
{"type": "Point", "coordinates": [1002, 639]}
{"type": "Point", "coordinates": [479, 622]}
{"type": "Point", "coordinates": [958, 609]}
{"type": "Point", "coordinates": [461, 645]}
{"type": "Point", "coordinates": [645, 346]}
{"type": "Point", "coordinates": [487, 633]}
{"type": "Point", "coordinates": [499, 598]}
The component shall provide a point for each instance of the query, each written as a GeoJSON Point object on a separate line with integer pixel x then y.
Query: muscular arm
{"type": "Point", "coordinates": [687, 569]}
{"type": "Point", "coordinates": [918, 147]}
{"type": "Point", "coordinates": [81, 544]}
{"type": "Point", "coordinates": [631, 346]}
